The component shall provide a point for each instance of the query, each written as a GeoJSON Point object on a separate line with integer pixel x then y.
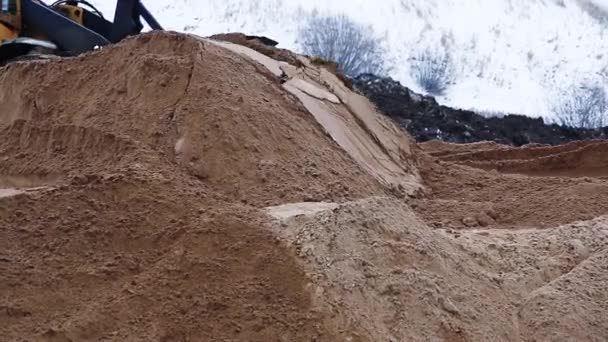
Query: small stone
{"type": "Point", "coordinates": [470, 221]}
{"type": "Point", "coordinates": [484, 220]}
{"type": "Point", "coordinates": [448, 306]}
{"type": "Point", "coordinates": [492, 213]}
{"type": "Point", "coordinates": [578, 248]}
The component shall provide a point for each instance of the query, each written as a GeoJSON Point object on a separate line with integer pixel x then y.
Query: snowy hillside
{"type": "Point", "coordinates": [511, 55]}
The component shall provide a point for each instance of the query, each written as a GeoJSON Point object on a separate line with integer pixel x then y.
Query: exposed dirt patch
{"type": "Point", "coordinates": [576, 159]}
{"type": "Point", "coordinates": [557, 185]}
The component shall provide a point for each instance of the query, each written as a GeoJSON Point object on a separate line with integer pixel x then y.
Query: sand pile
{"type": "Point", "coordinates": [401, 281]}
{"type": "Point", "coordinates": [130, 178]}
{"type": "Point", "coordinates": [176, 188]}
{"type": "Point", "coordinates": [178, 101]}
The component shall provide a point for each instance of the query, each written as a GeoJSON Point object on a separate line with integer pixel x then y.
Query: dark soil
{"type": "Point", "coordinates": [426, 120]}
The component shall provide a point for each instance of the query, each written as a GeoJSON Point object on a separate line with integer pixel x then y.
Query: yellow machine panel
{"type": "Point", "coordinates": [10, 19]}
{"type": "Point", "coordinates": [6, 33]}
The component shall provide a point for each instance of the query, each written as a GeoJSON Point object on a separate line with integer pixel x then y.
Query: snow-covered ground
{"type": "Point", "coordinates": [512, 55]}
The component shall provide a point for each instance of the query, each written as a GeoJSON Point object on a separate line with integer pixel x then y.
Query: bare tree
{"type": "Point", "coordinates": [433, 71]}
{"type": "Point", "coordinates": [352, 46]}
{"type": "Point", "coordinates": [582, 106]}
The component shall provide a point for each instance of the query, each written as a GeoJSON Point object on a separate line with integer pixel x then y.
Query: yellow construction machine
{"type": "Point", "coordinates": [65, 27]}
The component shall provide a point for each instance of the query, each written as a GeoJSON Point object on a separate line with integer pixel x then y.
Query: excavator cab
{"type": "Point", "coordinates": [66, 27]}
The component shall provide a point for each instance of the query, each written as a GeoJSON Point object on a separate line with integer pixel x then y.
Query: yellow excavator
{"type": "Point", "coordinates": [66, 27]}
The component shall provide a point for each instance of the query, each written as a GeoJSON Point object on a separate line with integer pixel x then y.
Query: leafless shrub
{"type": "Point", "coordinates": [582, 106]}
{"type": "Point", "coordinates": [434, 71]}
{"type": "Point", "coordinates": [352, 46]}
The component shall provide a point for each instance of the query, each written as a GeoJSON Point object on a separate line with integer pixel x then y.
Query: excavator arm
{"type": "Point", "coordinates": [66, 26]}
{"type": "Point", "coordinates": [67, 34]}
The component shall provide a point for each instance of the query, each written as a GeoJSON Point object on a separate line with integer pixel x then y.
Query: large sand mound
{"type": "Point", "coordinates": [123, 177]}
{"type": "Point", "coordinates": [173, 99]}
{"type": "Point", "coordinates": [175, 188]}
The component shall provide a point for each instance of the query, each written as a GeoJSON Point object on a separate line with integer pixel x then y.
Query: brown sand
{"type": "Point", "coordinates": [116, 260]}
{"type": "Point", "coordinates": [584, 158]}
{"type": "Point", "coordinates": [519, 194]}
{"type": "Point", "coordinates": [178, 101]}
{"type": "Point", "coordinates": [401, 281]}
{"type": "Point", "coordinates": [172, 188]}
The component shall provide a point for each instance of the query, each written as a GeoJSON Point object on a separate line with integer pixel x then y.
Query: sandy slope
{"type": "Point", "coordinates": [583, 158]}
{"type": "Point", "coordinates": [402, 281]}
{"type": "Point", "coordinates": [533, 186]}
